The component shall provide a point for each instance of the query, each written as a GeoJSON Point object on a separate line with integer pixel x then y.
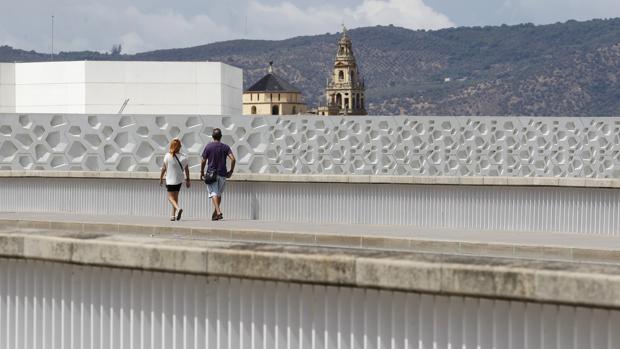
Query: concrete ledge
{"type": "Point", "coordinates": [576, 250]}
{"type": "Point", "coordinates": [513, 279]}
{"type": "Point", "coordinates": [359, 179]}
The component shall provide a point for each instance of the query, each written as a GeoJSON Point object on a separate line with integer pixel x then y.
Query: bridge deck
{"type": "Point", "coordinates": [547, 246]}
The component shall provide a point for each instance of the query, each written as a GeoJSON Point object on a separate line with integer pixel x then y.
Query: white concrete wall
{"type": "Point", "coordinates": [210, 88]}
{"type": "Point", "coordinates": [55, 305]}
{"type": "Point", "coordinates": [7, 88]}
{"type": "Point", "coordinates": [161, 88]}
{"type": "Point", "coordinates": [232, 90]}
{"type": "Point", "coordinates": [50, 87]}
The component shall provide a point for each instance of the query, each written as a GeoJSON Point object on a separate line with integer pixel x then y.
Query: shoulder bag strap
{"type": "Point", "coordinates": [179, 162]}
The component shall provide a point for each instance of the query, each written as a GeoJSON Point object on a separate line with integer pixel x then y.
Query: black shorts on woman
{"type": "Point", "coordinates": [174, 187]}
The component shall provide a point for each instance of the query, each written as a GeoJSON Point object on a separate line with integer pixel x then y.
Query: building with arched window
{"type": "Point", "coordinates": [345, 91]}
{"type": "Point", "coordinates": [272, 95]}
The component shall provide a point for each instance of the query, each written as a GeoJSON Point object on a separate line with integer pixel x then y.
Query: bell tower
{"type": "Point", "coordinates": [345, 88]}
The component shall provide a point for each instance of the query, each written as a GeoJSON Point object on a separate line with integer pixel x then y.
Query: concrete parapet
{"type": "Point", "coordinates": [380, 238]}
{"type": "Point", "coordinates": [514, 279]}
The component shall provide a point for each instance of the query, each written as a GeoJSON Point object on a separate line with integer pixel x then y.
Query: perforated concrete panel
{"type": "Point", "coordinates": [399, 145]}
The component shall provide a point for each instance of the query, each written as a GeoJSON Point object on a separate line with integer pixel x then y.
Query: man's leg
{"type": "Point", "coordinates": [216, 203]}
{"type": "Point", "coordinates": [212, 191]}
{"type": "Point", "coordinates": [215, 192]}
{"type": "Point", "coordinates": [221, 184]}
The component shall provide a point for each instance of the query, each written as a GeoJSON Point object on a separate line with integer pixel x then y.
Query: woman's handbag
{"type": "Point", "coordinates": [210, 176]}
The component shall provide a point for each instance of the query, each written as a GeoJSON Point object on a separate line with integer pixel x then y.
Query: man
{"type": "Point", "coordinates": [216, 154]}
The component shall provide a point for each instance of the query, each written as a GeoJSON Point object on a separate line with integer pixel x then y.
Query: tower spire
{"type": "Point", "coordinates": [345, 91]}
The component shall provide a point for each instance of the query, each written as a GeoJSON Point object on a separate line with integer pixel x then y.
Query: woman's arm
{"type": "Point", "coordinates": [162, 174]}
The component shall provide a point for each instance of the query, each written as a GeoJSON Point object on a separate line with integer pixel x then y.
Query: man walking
{"type": "Point", "coordinates": [216, 154]}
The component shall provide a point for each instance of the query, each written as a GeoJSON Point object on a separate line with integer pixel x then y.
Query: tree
{"type": "Point", "coordinates": [116, 50]}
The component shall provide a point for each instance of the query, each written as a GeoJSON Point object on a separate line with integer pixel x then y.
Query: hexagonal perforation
{"type": "Point", "coordinates": [454, 146]}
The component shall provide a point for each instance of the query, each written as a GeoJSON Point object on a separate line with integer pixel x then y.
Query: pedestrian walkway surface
{"type": "Point", "coordinates": [551, 246]}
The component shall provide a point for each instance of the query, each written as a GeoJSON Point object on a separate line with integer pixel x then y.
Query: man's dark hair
{"type": "Point", "coordinates": [217, 134]}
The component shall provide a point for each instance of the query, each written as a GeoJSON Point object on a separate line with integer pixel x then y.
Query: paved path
{"type": "Point", "coordinates": [555, 246]}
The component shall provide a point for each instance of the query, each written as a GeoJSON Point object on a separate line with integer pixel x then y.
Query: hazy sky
{"type": "Point", "coordinates": [142, 25]}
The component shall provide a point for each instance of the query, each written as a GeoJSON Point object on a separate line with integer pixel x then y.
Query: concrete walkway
{"type": "Point", "coordinates": [547, 246]}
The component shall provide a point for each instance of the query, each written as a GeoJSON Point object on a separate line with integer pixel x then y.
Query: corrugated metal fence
{"type": "Point", "coordinates": [498, 208]}
{"type": "Point", "coordinates": [60, 306]}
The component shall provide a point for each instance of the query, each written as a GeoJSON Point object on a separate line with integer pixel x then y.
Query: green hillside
{"type": "Point", "coordinates": [570, 68]}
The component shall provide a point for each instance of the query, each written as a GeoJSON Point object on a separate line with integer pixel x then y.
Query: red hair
{"type": "Point", "coordinates": [175, 146]}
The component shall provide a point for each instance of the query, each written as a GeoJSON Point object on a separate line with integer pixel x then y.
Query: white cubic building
{"type": "Point", "coordinates": [7, 88]}
{"type": "Point", "coordinates": [109, 87]}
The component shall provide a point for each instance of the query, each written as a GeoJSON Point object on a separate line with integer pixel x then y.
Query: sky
{"type": "Point", "coordinates": [143, 25]}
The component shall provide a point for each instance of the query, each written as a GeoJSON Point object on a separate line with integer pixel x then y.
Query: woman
{"type": "Point", "coordinates": [175, 164]}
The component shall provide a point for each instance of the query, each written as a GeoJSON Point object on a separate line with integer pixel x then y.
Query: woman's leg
{"type": "Point", "coordinates": [173, 197]}
{"type": "Point", "coordinates": [179, 210]}
{"type": "Point", "coordinates": [176, 198]}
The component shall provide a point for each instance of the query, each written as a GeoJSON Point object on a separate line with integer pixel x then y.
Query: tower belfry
{"type": "Point", "coordinates": [345, 88]}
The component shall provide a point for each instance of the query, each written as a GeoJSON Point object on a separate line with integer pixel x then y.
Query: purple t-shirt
{"type": "Point", "coordinates": [216, 153]}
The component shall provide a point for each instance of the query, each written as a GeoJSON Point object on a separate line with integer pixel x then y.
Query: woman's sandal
{"type": "Point", "coordinates": [179, 214]}
{"type": "Point", "coordinates": [173, 218]}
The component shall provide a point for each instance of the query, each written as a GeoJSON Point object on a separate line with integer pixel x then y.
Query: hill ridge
{"type": "Point", "coordinates": [564, 69]}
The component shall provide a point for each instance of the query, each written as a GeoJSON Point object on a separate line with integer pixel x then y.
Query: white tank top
{"type": "Point", "coordinates": [174, 173]}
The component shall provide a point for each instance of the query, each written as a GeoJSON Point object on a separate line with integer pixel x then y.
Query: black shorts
{"type": "Point", "coordinates": [174, 187]}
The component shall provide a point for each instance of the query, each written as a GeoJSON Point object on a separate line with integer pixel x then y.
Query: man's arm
{"type": "Point", "coordinates": [187, 181]}
{"type": "Point", "coordinates": [233, 161]}
{"type": "Point", "coordinates": [203, 163]}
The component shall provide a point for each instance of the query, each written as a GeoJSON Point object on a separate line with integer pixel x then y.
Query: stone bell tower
{"type": "Point", "coordinates": [345, 88]}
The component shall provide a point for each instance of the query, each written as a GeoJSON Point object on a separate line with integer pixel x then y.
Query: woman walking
{"type": "Point", "coordinates": [175, 164]}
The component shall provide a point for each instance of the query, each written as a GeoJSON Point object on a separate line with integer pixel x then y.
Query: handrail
{"type": "Point", "coordinates": [613, 183]}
